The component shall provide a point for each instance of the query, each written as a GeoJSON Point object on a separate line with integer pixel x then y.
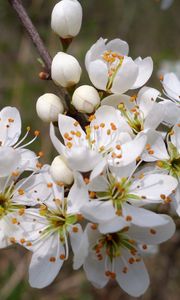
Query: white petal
{"type": "Point", "coordinates": [113, 225]}
{"type": "Point", "coordinates": [61, 149]}
{"type": "Point", "coordinates": [131, 150]}
{"type": "Point", "coordinates": [95, 271]}
{"type": "Point", "coordinates": [171, 85]}
{"type": "Point", "coordinates": [78, 194]}
{"type": "Point", "coordinates": [145, 68]}
{"type": "Point", "coordinates": [155, 116]}
{"type": "Point", "coordinates": [98, 169]}
{"type": "Point", "coordinates": [83, 159]}
{"type": "Point", "coordinates": [136, 281]}
{"type": "Point", "coordinates": [142, 217]}
{"type": "Point", "coordinates": [41, 270]}
{"type": "Point", "coordinates": [146, 98]}
{"type": "Point", "coordinates": [9, 161]}
{"type": "Point", "coordinates": [115, 99]}
{"type": "Point", "coordinates": [98, 184]}
{"type": "Point", "coordinates": [119, 46]}
{"type": "Point", "coordinates": [95, 52]}
{"type": "Point", "coordinates": [154, 235]}
{"type": "Point", "coordinates": [157, 144]}
{"type": "Point", "coordinates": [125, 77]}
{"type": "Point", "coordinates": [98, 74]}
{"type": "Point", "coordinates": [152, 186]}
{"type": "Point", "coordinates": [172, 112]}
{"type": "Point", "coordinates": [10, 126]}
{"type": "Point", "coordinates": [76, 238]}
{"type": "Point", "coordinates": [66, 125]}
{"type": "Point", "coordinates": [28, 160]}
{"type": "Point", "coordinates": [97, 211]}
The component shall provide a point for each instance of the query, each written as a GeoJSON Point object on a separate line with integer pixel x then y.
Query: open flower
{"type": "Point", "coordinates": [117, 197]}
{"type": "Point", "coordinates": [14, 155]}
{"type": "Point", "coordinates": [111, 70]}
{"type": "Point", "coordinates": [141, 112]}
{"type": "Point", "coordinates": [168, 159]}
{"type": "Point", "coordinates": [118, 256]}
{"type": "Point", "coordinates": [107, 140]}
{"type": "Point", "coordinates": [46, 229]}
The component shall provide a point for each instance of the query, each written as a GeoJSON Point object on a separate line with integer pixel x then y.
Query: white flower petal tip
{"type": "Point", "coordinates": [145, 69]}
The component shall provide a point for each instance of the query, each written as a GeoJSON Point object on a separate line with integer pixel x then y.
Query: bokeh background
{"type": "Point", "coordinates": [149, 31]}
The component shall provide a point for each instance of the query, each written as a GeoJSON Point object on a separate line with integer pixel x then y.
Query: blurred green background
{"type": "Point", "coordinates": [149, 32]}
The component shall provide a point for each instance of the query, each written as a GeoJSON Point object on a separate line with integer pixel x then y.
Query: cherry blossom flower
{"type": "Point", "coordinates": [141, 112]}
{"type": "Point", "coordinates": [107, 140]}
{"type": "Point", "coordinates": [117, 197]}
{"type": "Point", "coordinates": [46, 229]}
{"type": "Point", "coordinates": [112, 70]}
{"type": "Point", "coordinates": [118, 255]}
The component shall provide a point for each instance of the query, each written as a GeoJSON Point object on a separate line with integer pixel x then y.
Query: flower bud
{"type": "Point", "coordinates": [65, 70]}
{"type": "Point", "coordinates": [85, 99]}
{"type": "Point", "coordinates": [60, 171]}
{"type": "Point", "coordinates": [66, 18]}
{"type": "Point", "coordinates": [48, 107]}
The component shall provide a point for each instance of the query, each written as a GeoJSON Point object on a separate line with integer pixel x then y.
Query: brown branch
{"type": "Point", "coordinates": [34, 35]}
{"type": "Point", "coordinates": [44, 54]}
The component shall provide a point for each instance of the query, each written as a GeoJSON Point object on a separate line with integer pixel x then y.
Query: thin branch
{"type": "Point", "coordinates": [34, 35]}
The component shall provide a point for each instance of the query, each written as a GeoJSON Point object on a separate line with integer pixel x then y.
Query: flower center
{"type": "Point", "coordinates": [117, 192]}
{"type": "Point", "coordinates": [113, 244]}
{"type": "Point", "coordinates": [173, 164]}
{"type": "Point", "coordinates": [4, 204]}
{"type": "Point", "coordinates": [58, 219]}
{"type": "Point", "coordinates": [134, 117]}
{"type": "Point", "coordinates": [114, 62]}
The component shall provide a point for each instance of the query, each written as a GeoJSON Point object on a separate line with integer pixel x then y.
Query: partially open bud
{"type": "Point", "coordinates": [66, 18]}
{"type": "Point", "coordinates": [65, 70]}
{"type": "Point", "coordinates": [60, 171]}
{"type": "Point", "coordinates": [48, 107]}
{"type": "Point", "coordinates": [85, 99]}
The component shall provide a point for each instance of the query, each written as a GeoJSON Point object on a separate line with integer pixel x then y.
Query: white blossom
{"type": "Point", "coordinates": [60, 171]}
{"type": "Point", "coordinates": [48, 107]}
{"type": "Point", "coordinates": [65, 70]}
{"type": "Point", "coordinates": [107, 140]}
{"type": "Point", "coordinates": [86, 99]}
{"type": "Point", "coordinates": [46, 229]}
{"type": "Point", "coordinates": [118, 256]}
{"type": "Point", "coordinates": [112, 70]}
{"type": "Point", "coordinates": [66, 18]}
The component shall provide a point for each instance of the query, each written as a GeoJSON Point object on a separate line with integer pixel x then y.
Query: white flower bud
{"type": "Point", "coordinates": [48, 107]}
{"type": "Point", "coordinates": [85, 99]}
{"type": "Point", "coordinates": [60, 171]}
{"type": "Point", "coordinates": [65, 70]}
{"type": "Point", "coordinates": [66, 18]}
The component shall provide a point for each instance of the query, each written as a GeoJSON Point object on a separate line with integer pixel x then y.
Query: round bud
{"type": "Point", "coordinates": [60, 171]}
{"type": "Point", "coordinates": [65, 70]}
{"type": "Point", "coordinates": [48, 107]}
{"type": "Point", "coordinates": [85, 99]}
{"type": "Point", "coordinates": [66, 18]}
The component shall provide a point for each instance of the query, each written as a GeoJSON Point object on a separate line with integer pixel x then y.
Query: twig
{"type": "Point", "coordinates": [34, 35]}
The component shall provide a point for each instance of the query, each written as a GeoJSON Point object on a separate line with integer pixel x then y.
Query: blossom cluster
{"type": "Point", "coordinates": [101, 196]}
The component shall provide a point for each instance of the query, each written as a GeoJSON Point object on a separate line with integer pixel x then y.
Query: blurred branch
{"type": "Point", "coordinates": [34, 35]}
{"type": "Point", "coordinates": [44, 54]}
